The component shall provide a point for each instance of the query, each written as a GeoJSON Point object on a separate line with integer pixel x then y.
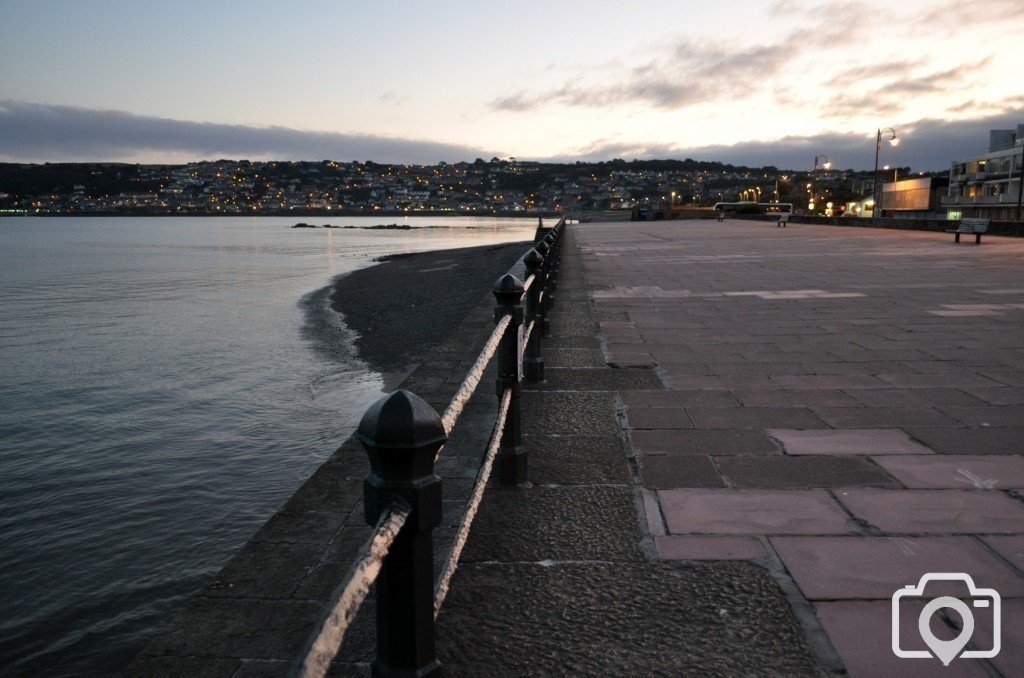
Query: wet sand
{"type": "Point", "coordinates": [406, 305]}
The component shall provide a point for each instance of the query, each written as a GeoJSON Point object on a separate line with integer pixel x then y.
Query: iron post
{"type": "Point", "coordinates": [533, 363]}
{"type": "Point", "coordinates": [402, 435]}
{"type": "Point", "coordinates": [511, 460]}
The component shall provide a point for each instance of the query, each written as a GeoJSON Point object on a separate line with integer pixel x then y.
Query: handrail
{"type": "Point", "coordinates": [472, 505]}
{"type": "Point", "coordinates": [476, 372]}
{"type": "Point", "coordinates": [403, 436]}
{"type": "Point", "coordinates": [350, 594]}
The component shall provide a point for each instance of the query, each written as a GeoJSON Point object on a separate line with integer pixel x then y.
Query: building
{"type": "Point", "coordinates": [917, 198]}
{"type": "Point", "coordinates": [988, 185]}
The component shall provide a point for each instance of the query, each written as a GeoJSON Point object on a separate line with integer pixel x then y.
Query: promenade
{"type": "Point", "coordinates": [749, 438]}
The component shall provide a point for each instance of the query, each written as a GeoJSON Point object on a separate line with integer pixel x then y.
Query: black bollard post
{"type": "Point", "coordinates": [551, 265]}
{"type": "Point", "coordinates": [511, 461]}
{"type": "Point", "coordinates": [402, 434]}
{"type": "Point", "coordinates": [544, 249]}
{"type": "Point", "coordinates": [533, 363]}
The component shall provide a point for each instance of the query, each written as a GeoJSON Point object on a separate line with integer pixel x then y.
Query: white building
{"type": "Point", "coordinates": [988, 185]}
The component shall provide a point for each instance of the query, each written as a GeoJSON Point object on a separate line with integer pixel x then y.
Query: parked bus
{"type": "Point", "coordinates": [723, 209]}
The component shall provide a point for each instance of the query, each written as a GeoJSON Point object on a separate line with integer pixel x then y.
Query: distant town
{"type": "Point", "coordinates": [980, 186]}
{"type": "Point", "coordinates": [498, 186]}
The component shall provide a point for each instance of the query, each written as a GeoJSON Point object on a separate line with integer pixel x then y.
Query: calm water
{"type": "Point", "coordinates": [162, 391]}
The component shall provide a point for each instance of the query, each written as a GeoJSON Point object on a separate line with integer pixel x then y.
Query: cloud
{"type": "Point", "coordinates": [703, 70]}
{"type": "Point", "coordinates": [31, 132]}
{"type": "Point", "coordinates": [927, 145]}
{"type": "Point", "coordinates": [888, 97]}
{"type": "Point", "coordinates": [825, 49]}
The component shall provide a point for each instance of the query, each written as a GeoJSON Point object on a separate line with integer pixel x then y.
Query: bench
{"type": "Point", "coordinates": [781, 220]}
{"type": "Point", "coordinates": [969, 226]}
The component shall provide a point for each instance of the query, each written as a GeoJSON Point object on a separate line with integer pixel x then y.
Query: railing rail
{"type": "Point", "coordinates": [404, 436]}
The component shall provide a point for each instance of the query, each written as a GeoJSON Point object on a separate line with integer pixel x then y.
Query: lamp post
{"type": "Point", "coordinates": [875, 191]}
{"type": "Point", "coordinates": [1020, 183]}
{"type": "Point", "coordinates": [826, 163]}
{"type": "Point", "coordinates": [784, 177]}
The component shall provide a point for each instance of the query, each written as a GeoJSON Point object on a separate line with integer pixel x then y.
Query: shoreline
{"type": "Point", "coordinates": [406, 304]}
{"type": "Point", "coordinates": [260, 606]}
{"type": "Point", "coordinates": [532, 214]}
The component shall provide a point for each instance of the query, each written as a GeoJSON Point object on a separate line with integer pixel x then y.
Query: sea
{"type": "Point", "coordinates": [164, 388]}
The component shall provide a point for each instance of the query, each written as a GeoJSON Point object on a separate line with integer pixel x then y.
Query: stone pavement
{"type": "Point", "coordinates": [561, 577]}
{"type": "Point", "coordinates": [842, 406]}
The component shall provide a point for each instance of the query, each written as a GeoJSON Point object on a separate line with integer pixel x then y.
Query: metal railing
{"type": "Point", "coordinates": [403, 436]}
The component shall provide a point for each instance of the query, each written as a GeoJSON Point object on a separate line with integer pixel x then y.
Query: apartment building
{"type": "Point", "coordinates": [988, 185]}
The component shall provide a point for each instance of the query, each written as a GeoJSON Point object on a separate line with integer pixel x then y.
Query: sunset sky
{"type": "Point", "coordinates": [738, 80]}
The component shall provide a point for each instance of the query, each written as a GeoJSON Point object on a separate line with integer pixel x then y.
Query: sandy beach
{"type": "Point", "coordinates": [406, 305]}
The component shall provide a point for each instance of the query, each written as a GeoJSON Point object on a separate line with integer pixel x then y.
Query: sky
{"type": "Point", "coordinates": [742, 81]}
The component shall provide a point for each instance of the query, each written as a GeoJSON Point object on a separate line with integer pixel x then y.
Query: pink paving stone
{"type": "Point", "coordinates": [688, 547]}
{"type": "Point", "coordinates": [1001, 472]}
{"type": "Point", "coordinates": [936, 511]}
{"type": "Point", "coordinates": [965, 313]}
{"type": "Point", "coordinates": [830, 568]}
{"type": "Point", "coordinates": [847, 441]}
{"type": "Point", "coordinates": [752, 512]}
{"type": "Point", "coordinates": [1010, 547]}
{"type": "Point", "coordinates": [828, 381]}
{"type": "Point", "coordinates": [861, 632]}
{"type": "Point", "coordinates": [1010, 660]}
{"type": "Point", "coordinates": [653, 513]}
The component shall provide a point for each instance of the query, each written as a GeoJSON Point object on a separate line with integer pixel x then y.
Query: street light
{"type": "Point", "coordinates": [826, 163]}
{"type": "Point", "coordinates": [875, 193]}
{"type": "Point", "coordinates": [784, 177]}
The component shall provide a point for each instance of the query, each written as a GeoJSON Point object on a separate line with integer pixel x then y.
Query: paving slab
{"type": "Point", "coordinates": [1003, 416]}
{"type": "Point", "coordinates": [704, 442]}
{"type": "Point", "coordinates": [849, 382]}
{"type": "Point", "coordinates": [847, 441]}
{"type": "Point", "coordinates": [971, 440]}
{"type": "Point", "coordinates": [1010, 660]}
{"type": "Point", "coordinates": [1009, 547]}
{"type": "Point", "coordinates": [696, 547]}
{"type": "Point", "coordinates": [658, 418]}
{"type": "Point", "coordinates": [753, 512]}
{"type": "Point", "coordinates": [803, 398]}
{"type": "Point", "coordinates": [1000, 472]}
{"type": "Point", "coordinates": [838, 567]}
{"type": "Point", "coordinates": [555, 523]}
{"type": "Point", "coordinates": [556, 460]}
{"type": "Point", "coordinates": [803, 472]}
{"type": "Point", "coordinates": [618, 619]}
{"type": "Point", "coordinates": [890, 417]}
{"type": "Point", "coordinates": [591, 379]}
{"type": "Point", "coordinates": [911, 397]}
{"type": "Point", "coordinates": [665, 471]}
{"type": "Point", "coordinates": [678, 398]}
{"type": "Point", "coordinates": [861, 634]}
{"type": "Point", "coordinates": [754, 417]}
{"type": "Point", "coordinates": [936, 511]}
{"type": "Point", "coordinates": [570, 413]}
